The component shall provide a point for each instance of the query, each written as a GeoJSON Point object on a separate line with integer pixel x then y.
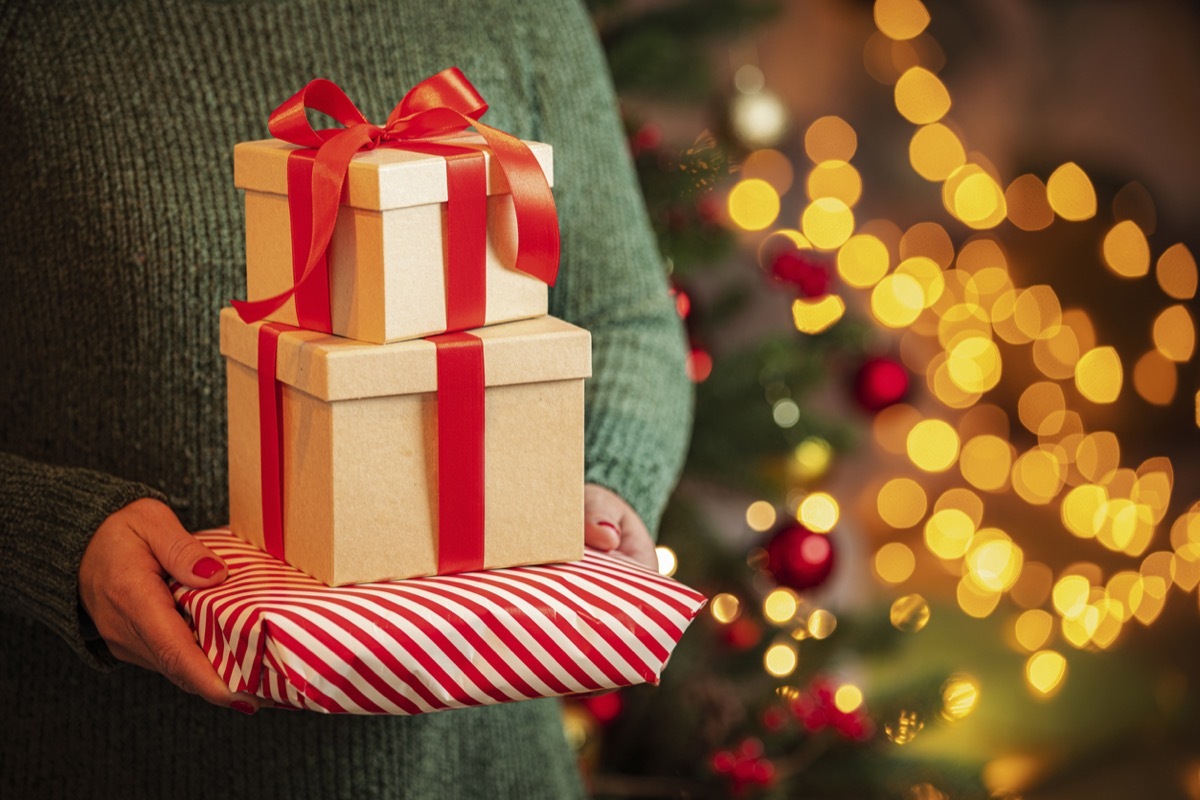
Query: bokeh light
{"type": "Point", "coordinates": [933, 445]}
{"type": "Point", "coordinates": [895, 562]}
{"type": "Point", "coordinates": [1126, 250]}
{"type": "Point", "coordinates": [830, 139]}
{"type": "Point", "coordinates": [753, 204]}
{"type": "Point", "coordinates": [901, 19]}
{"type": "Point", "coordinates": [935, 152]}
{"type": "Point", "coordinates": [920, 96]}
{"type": "Point", "coordinates": [863, 261]}
{"type": "Point", "coordinates": [1071, 193]}
{"type": "Point", "coordinates": [1098, 375]}
{"type": "Point", "coordinates": [1176, 272]}
{"type": "Point", "coordinates": [827, 222]}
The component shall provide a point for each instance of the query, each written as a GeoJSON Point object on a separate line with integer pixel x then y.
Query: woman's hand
{"type": "Point", "coordinates": [121, 586]}
{"type": "Point", "coordinates": [609, 523]}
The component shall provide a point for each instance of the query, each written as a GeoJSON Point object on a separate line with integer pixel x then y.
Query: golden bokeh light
{"type": "Point", "coordinates": [895, 562]}
{"type": "Point", "coordinates": [927, 274]}
{"type": "Point", "coordinates": [725, 608]}
{"type": "Point", "coordinates": [962, 321]}
{"type": "Point", "coordinates": [1038, 476]}
{"type": "Point", "coordinates": [1155, 379]}
{"type": "Point", "coordinates": [944, 388]}
{"type": "Point", "coordinates": [818, 512]}
{"type": "Point", "coordinates": [975, 197]}
{"type": "Point", "coordinates": [935, 152]}
{"type": "Point", "coordinates": [780, 660]}
{"type": "Point", "coordinates": [933, 445]}
{"type": "Point", "coordinates": [963, 500]}
{"type": "Point", "coordinates": [848, 698]}
{"type": "Point", "coordinates": [827, 222]}
{"type": "Point", "coordinates": [837, 179]}
{"type": "Point", "coordinates": [980, 253]}
{"type": "Point", "coordinates": [974, 364]}
{"type": "Point", "coordinates": [1098, 375]}
{"type": "Point", "coordinates": [771, 166]}
{"type": "Point", "coordinates": [1038, 402]}
{"type": "Point", "coordinates": [1028, 207]}
{"type": "Point", "coordinates": [780, 605]}
{"type": "Point", "coordinates": [830, 139]}
{"type": "Point", "coordinates": [901, 503]}
{"type": "Point", "coordinates": [897, 300]}
{"type": "Point", "coordinates": [984, 419]}
{"type": "Point", "coordinates": [1099, 454]}
{"type": "Point", "coordinates": [892, 425]}
{"type": "Point", "coordinates": [821, 624]}
{"type": "Point", "coordinates": [817, 316]}
{"type": "Point", "coordinates": [920, 96]}
{"type": "Point", "coordinates": [1037, 312]}
{"type": "Point", "coordinates": [974, 600]}
{"type": "Point", "coordinates": [1033, 628]}
{"type": "Point", "coordinates": [901, 19]}
{"type": "Point", "coordinates": [753, 204]}
{"type": "Point", "coordinates": [760, 515]}
{"type": "Point", "coordinates": [993, 561]}
{"type": "Point", "coordinates": [1083, 510]}
{"type": "Point", "coordinates": [1175, 333]}
{"type": "Point", "coordinates": [863, 260]}
{"type": "Point", "coordinates": [960, 696]}
{"type": "Point", "coordinates": [811, 458]}
{"type": "Point", "coordinates": [930, 240]}
{"type": "Point", "coordinates": [948, 533]}
{"type": "Point", "coordinates": [909, 613]}
{"type": "Point", "coordinates": [1126, 251]}
{"type": "Point", "coordinates": [667, 561]}
{"type": "Point", "coordinates": [1057, 354]}
{"type": "Point", "coordinates": [1176, 272]}
{"type": "Point", "coordinates": [1070, 595]}
{"type": "Point", "coordinates": [1071, 193]}
{"type": "Point", "coordinates": [1033, 585]}
{"type": "Point", "coordinates": [986, 462]}
{"type": "Point", "coordinates": [1045, 671]}
{"type": "Point", "coordinates": [903, 729]}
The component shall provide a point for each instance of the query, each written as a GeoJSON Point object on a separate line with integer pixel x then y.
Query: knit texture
{"type": "Point", "coordinates": [123, 235]}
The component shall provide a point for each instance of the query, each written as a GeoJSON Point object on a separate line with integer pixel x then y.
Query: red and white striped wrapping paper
{"type": "Point", "coordinates": [415, 646]}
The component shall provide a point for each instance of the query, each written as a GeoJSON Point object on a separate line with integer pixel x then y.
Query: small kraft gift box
{"type": "Point", "coordinates": [385, 265]}
{"type": "Point", "coordinates": [357, 462]}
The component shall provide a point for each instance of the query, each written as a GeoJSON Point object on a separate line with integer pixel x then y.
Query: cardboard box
{"type": "Point", "coordinates": [415, 647]}
{"type": "Point", "coordinates": [359, 432]}
{"type": "Point", "coordinates": [387, 277]}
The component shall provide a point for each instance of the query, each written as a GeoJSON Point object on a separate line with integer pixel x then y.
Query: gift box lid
{"type": "Point", "coordinates": [380, 179]}
{"type": "Point", "coordinates": [334, 368]}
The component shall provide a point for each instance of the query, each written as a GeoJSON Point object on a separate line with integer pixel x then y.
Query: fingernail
{"type": "Point", "coordinates": [206, 567]}
{"type": "Point", "coordinates": [241, 706]}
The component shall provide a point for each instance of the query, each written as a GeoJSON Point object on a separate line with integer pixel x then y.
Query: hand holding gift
{"type": "Point", "coordinates": [121, 588]}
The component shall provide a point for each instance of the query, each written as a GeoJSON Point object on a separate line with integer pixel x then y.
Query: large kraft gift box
{"type": "Point", "coordinates": [359, 430]}
{"type": "Point", "coordinates": [387, 257]}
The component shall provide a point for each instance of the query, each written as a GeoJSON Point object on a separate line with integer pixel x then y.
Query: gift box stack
{"type": "Point", "coordinates": [401, 405]}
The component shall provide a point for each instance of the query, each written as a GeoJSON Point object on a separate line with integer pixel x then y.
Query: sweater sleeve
{"type": "Point", "coordinates": [611, 278]}
{"type": "Point", "coordinates": [49, 516]}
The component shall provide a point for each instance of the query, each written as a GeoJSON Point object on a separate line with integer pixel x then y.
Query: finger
{"type": "Point", "coordinates": [182, 555]}
{"type": "Point", "coordinates": [602, 535]}
{"type": "Point", "coordinates": [636, 542]}
{"type": "Point", "coordinates": [170, 645]}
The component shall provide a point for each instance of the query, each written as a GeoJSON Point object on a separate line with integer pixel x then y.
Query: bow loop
{"type": "Point", "coordinates": [289, 121]}
{"type": "Point", "coordinates": [449, 89]}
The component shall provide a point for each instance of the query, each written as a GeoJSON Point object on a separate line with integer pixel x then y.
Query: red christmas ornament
{"type": "Point", "coordinates": [604, 707]}
{"type": "Point", "coordinates": [803, 269]}
{"type": "Point", "coordinates": [816, 710]}
{"type": "Point", "coordinates": [798, 558]}
{"type": "Point", "coordinates": [647, 138]}
{"type": "Point", "coordinates": [880, 382]}
{"type": "Point", "coordinates": [742, 633]}
{"type": "Point", "coordinates": [744, 766]}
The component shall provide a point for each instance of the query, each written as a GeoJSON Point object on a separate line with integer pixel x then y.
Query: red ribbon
{"type": "Point", "coordinates": [438, 106]}
{"type": "Point", "coordinates": [460, 399]}
{"type": "Point", "coordinates": [270, 436]}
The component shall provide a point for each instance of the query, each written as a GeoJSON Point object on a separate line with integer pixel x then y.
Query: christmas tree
{"type": "Point", "coordinates": [955, 404]}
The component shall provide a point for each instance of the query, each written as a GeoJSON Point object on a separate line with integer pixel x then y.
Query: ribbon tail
{"type": "Point", "coordinates": [538, 244]}
{"type": "Point", "coordinates": [329, 174]}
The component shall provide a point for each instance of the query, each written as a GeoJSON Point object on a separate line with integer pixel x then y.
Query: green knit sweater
{"type": "Point", "coordinates": [122, 236]}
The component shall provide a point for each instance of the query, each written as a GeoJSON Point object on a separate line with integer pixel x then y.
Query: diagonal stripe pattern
{"type": "Point", "coordinates": [416, 646]}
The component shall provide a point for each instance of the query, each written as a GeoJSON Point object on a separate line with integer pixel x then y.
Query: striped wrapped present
{"type": "Point", "coordinates": [411, 647]}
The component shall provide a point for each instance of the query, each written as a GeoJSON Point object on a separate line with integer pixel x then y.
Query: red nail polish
{"type": "Point", "coordinates": [615, 529]}
{"type": "Point", "coordinates": [243, 707]}
{"type": "Point", "coordinates": [206, 567]}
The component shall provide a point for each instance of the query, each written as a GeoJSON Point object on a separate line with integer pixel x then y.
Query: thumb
{"type": "Point", "coordinates": [181, 555]}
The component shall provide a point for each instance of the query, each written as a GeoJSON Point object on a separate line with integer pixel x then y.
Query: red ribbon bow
{"type": "Point", "coordinates": [443, 104]}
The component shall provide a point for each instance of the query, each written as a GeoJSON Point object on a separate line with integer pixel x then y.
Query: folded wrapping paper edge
{"type": "Point", "coordinates": [628, 620]}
